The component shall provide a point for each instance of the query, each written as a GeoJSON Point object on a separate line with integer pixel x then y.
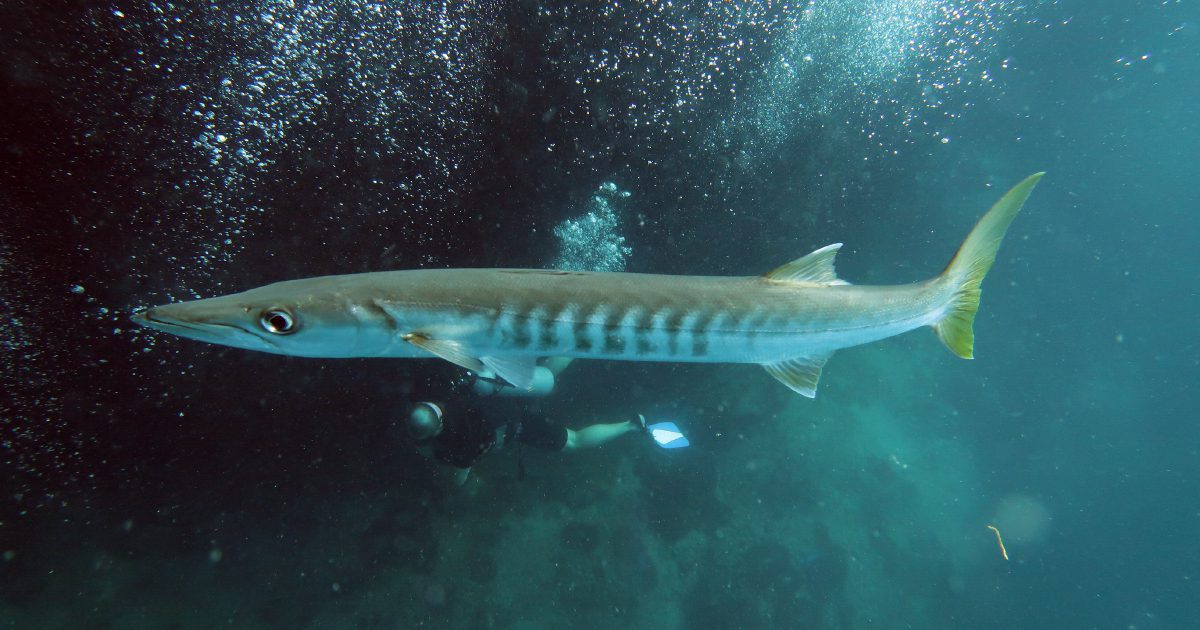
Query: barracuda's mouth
{"type": "Point", "coordinates": [149, 319]}
{"type": "Point", "coordinates": [210, 332]}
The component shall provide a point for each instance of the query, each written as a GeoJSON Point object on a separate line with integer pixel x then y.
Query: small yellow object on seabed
{"type": "Point", "coordinates": [1000, 541]}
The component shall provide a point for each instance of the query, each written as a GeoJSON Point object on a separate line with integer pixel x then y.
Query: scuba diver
{"type": "Point", "coordinates": [459, 436]}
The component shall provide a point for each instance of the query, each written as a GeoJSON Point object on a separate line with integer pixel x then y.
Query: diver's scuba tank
{"type": "Point", "coordinates": [488, 384]}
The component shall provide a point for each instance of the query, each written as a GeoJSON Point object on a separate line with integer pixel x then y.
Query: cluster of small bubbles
{"type": "Point", "coordinates": [592, 242]}
{"type": "Point", "coordinates": [22, 418]}
{"type": "Point", "coordinates": [768, 68]}
{"type": "Point", "coordinates": [244, 89]}
{"type": "Point", "coordinates": [654, 70]}
{"type": "Point", "coordinates": [886, 68]}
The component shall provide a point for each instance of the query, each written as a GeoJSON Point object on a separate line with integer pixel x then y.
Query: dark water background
{"type": "Point", "coordinates": [160, 151]}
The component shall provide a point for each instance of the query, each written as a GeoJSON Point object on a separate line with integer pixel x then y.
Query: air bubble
{"type": "Point", "coordinates": [592, 242]}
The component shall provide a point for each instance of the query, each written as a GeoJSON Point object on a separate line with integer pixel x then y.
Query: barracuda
{"type": "Point", "coordinates": [501, 321]}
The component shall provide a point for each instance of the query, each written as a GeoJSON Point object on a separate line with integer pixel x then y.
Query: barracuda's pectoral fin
{"type": "Point", "coordinates": [451, 351]}
{"type": "Point", "coordinates": [815, 268]}
{"type": "Point", "coordinates": [799, 373]}
{"type": "Point", "coordinates": [516, 370]}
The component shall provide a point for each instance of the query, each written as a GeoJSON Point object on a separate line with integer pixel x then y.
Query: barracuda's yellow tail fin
{"type": "Point", "coordinates": [972, 262]}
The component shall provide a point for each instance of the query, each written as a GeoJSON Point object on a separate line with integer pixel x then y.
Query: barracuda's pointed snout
{"type": "Point", "coordinates": [171, 317]}
{"type": "Point", "coordinates": [167, 314]}
{"type": "Point", "coordinates": [298, 318]}
{"type": "Point", "coordinates": [151, 318]}
{"type": "Point", "coordinates": [214, 320]}
{"type": "Point", "coordinates": [140, 317]}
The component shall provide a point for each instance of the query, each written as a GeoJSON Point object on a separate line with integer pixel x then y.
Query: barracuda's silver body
{"type": "Point", "coordinates": [502, 320]}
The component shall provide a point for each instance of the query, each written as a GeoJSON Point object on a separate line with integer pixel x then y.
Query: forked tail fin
{"type": "Point", "coordinates": [972, 262]}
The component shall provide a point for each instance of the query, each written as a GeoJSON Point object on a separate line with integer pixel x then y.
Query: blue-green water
{"type": "Point", "coordinates": [157, 152]}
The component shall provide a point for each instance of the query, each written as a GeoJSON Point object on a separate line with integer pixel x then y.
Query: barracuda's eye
{"type": "Point", "coordinates": [278, 321]}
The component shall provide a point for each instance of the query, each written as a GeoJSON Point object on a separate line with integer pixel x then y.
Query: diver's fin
{"type": "Point", "coordinates": [451, 351]}
{"type": "Point", "coordinates": [799, 373]}
{"type": "Point", "coordinates": [667, 435]}
{"type": "Point", "coordinates": [516, 370]}
{"type": "Point", "coordinates": [815, 268]}
{"type": "Point", "coordinates": [972, 262]}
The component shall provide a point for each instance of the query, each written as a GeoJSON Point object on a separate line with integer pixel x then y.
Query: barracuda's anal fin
{"type": "Point", "coordinates": [799, 373]}
{"type": "Point", "coordinates": [516, 370]}
{"type": "Point", "coordinates": [451, 351]}
{"type": "Point", "coordinates": [815, 268]}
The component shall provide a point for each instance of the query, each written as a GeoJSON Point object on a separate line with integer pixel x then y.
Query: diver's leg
{"type": "Point", "coordinates": [598, 434]}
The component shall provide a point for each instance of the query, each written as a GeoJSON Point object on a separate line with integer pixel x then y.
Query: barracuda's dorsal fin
{"type": "Point", "coordinates": [799, 373]}
{"type": "Point", "coordinates": [815, 268]}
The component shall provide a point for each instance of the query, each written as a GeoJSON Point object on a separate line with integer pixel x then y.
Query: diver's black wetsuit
{"type": "Point", "coordinates": [467, 434]}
